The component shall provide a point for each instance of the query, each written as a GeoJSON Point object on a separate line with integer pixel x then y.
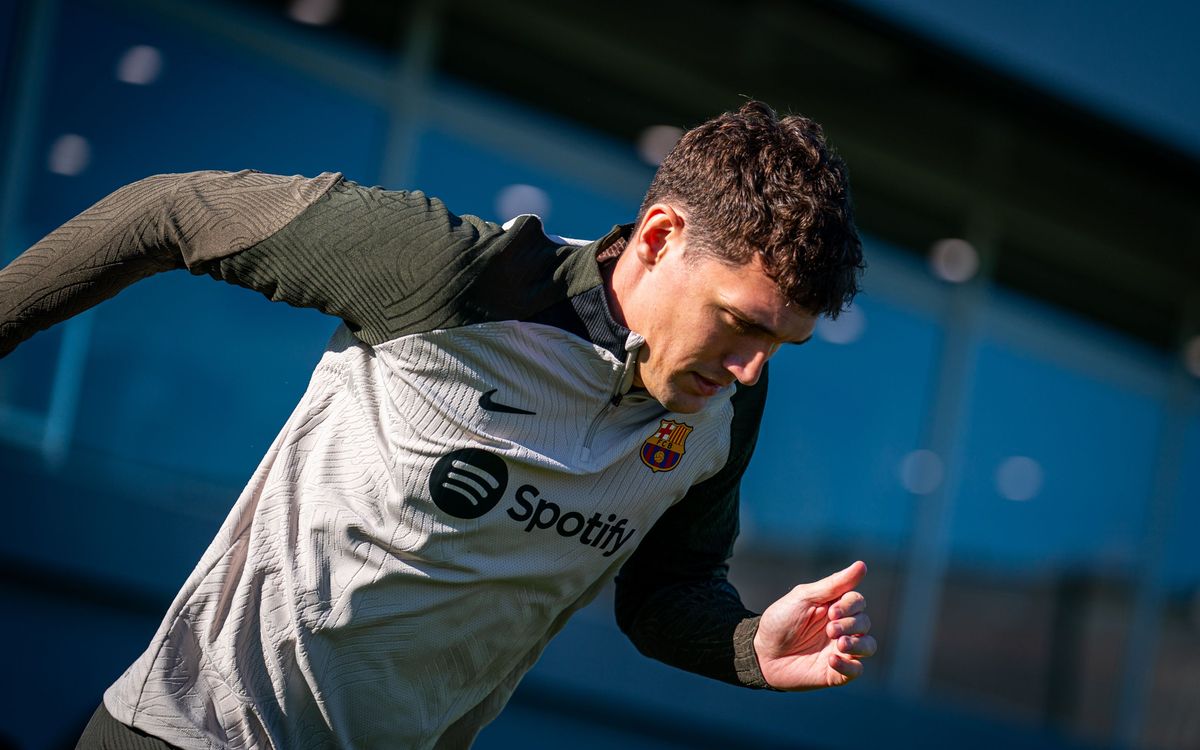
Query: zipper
{"type": "Point", "coordinates": [620, 388]}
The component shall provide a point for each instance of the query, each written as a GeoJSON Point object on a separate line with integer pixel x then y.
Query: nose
{"type": "Point", "coordinates": [747, 366]}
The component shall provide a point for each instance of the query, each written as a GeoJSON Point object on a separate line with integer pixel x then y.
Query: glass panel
{"type": "Point", "coordinates": [840, 420]}
{"type": "Point", "coordinates": [1059, 466]}
{"type": "Point", "coordinates": [85, 634]}
{"type": "Point", "coordinates": [1048, 523]}
{"type": "Point", "coordinates": [473, 179]}
{"type": "Point", "coordinates": [1182, 569]}
{"type": "Point", "coordinates": [203, 105]}
{"type": "Point", "coordinates": [1170, 719]}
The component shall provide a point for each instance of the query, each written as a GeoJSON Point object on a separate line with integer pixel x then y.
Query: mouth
{"type": "Point", "coordinates": [706, 386]}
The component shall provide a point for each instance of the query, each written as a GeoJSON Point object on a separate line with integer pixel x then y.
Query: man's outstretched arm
{"type": "Point", "coordinates": [386, 262]}
{"type": "Point", "coordinates": [157, 224]}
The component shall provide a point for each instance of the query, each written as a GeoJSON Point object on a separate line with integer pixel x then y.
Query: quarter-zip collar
{"type": "Point", "coordinates": [586, 311]}
{"type": "Point", "coordinates": [589, 297]}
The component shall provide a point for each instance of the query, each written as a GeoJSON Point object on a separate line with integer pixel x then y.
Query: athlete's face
{"type": "Point", "coordinates": [706, 323]}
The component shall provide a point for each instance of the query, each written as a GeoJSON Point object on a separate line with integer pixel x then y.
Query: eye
{"type": "Point", "coordinates": [737, 324]}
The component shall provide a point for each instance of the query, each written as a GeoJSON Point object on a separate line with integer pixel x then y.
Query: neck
{"type": "Point", "coordinates": [619, 278]}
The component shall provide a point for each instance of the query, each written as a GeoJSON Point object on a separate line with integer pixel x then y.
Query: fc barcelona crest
{"type": "Point", "coordinates": [663, 449]}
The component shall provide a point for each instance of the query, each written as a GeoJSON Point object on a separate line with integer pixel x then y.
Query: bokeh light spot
{"type": "Point", "coordinates": [140, 65]}
{"type": "Point", "coordinates": [954, 260]}
{"type": "Point", "coordinates": [847, 329]}
{"type": "Point", "coordinates": [921, 472]}
{"type": "Point", "coordinates": [518, 199]}
{"type": "Point", "coordinates": [314, 12]}
{"type": "Point", "coordinates": [656, 142]}
{"type": "Point", "coordinates": [69, 155]}
{"type": "Point", "coordinates": [1191, 356]}
{"type": "Point", "coordinates": [1019, 478]}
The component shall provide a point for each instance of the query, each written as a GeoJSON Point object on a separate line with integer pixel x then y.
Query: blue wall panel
{"type": "Point", "coordinates": [1182, 569]}
{"type": "Point", "coordinates": [61, 655]}
{"type": "Point", "coordinates": [469, 177]}
{"type": "Point", "coordinates": [839, 421]}
{"type": "Point", "coordinates": [213, 106]}
{"type": "Point", "coordinates": [196, 376]}
{"type": "Point", "coordinates": [1096, 443]}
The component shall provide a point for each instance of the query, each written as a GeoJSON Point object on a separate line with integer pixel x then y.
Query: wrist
{"type": "Point", "coordinates": [745, 652]}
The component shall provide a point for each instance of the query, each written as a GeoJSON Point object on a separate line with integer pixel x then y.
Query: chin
{"type": "Point", "coordinates": [680, 401]}
{"type": "Point", "coordinates": [693, 405]}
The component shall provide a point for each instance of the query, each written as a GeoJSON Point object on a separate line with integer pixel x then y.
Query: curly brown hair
{"type": "Point", "coordinates": [751, 183]}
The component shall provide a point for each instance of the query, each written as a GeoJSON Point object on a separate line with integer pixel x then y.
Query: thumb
{"type": "Point", "coordinates": [833, 586]}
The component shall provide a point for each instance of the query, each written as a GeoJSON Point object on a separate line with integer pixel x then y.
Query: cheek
{"type": "Point", "coordinates": [695, 352]}
{"type": "Point", "coordinates": [685, 340]}
{"type": "Point", "coordinates": [708, 341]}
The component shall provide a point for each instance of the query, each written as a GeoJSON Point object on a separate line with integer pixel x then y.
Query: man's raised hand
{"type": "Point", "coordinates": [817, 634]}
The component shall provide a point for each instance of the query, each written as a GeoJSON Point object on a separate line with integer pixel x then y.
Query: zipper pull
{"type": "Point", "coordinates": [633, 345]}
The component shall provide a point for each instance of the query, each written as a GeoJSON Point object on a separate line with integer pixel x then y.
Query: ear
{"type": "Point", "coordinates": [660, 232]}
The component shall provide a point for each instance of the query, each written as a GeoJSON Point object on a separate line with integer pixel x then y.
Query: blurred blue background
{"type": "Point", "coordinates": [1006, 426]}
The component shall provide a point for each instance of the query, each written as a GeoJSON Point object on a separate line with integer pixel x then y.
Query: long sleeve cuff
{"type": "Point", "coordinates": [745, 659]}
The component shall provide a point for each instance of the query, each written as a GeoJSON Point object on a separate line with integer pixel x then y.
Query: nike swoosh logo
{"type": "Point", "coordinates": [485, 400]}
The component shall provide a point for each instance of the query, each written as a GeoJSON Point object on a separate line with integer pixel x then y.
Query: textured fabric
{"type": "Point", "coordinates": [393, 262]}
{"type": "Point", "coordinates": [103, 732]}
{"type": "Point", "coordinates": [353, 597]}
{"type": "Point", "coordinates": [156, 224]}
{"type": "Point", "coordinates": [389, 617]}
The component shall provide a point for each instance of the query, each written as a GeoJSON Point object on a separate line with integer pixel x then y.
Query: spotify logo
{"type": "Point", "coordinates": [468, 483]}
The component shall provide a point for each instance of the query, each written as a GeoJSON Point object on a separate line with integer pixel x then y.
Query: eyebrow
{"type": "Point", "coordinates": [752, 323]}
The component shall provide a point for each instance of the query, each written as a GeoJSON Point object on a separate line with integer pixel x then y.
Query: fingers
{"type": "Point", "coordinates": [845, 666]}
{"type": "Point", "coordinates": [850, 638]}
{"type": "Point", "coordinates": [832, 587]}
{"type": "Point", "coordinates": [850, 604]}
{"type": "Point", "coordinates": [857, 646]}
{"type": "Point", "coordinates": [851, 648]}
{"type": "Point", "coordinates": [859, 624]}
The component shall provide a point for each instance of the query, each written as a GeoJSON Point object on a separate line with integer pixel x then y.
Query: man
{"type": "Point", "coordinates": [505, 420]}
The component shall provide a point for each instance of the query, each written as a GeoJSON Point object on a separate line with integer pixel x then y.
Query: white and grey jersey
{"type": "Point", "coordinates": [467, 467]}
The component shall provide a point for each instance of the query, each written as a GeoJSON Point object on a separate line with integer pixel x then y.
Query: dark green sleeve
{"type": "Point", "coordinates": [157, 224]}
{"type": "Point", "coordinates": [385, 262]}
{"type": "Point", "coordinates": [390, 263]}
{"type": "Point", "coordinates": [673, 599]}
